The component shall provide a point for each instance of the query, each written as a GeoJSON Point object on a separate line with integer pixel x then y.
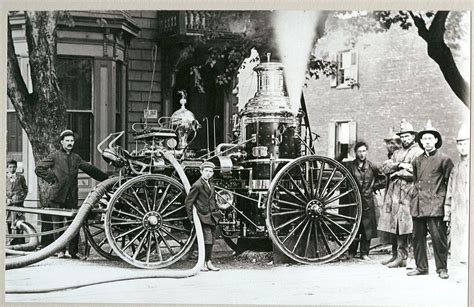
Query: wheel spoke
{"type": "Point", "coordinates": [176, 219]}
{"type": "Point", "coordinates": [308, 240]}
{"type": "Point", "coordinates": [126, 223]}
{"type": "Point", "coordinates": [348, 218]}
{"type": "Point", "coordinates": [288, 192]}
{"type": "Point", "coordinates": [287, 212]}
{"type": "Point", "coordinates": [132, 206]}
{"type": "Point", "coordinates": [146, 197]}
{"type": "Point", "coordinates": [305, 183]}
{"type": "Point", "coordinates": [155, 190]}
{"type": "Point", "coordinates": [293, 231]}
{"type": "Point", "coordinates": [128, 232]}
{"type": "Point", "coordinates": [335, 188]}
{"type": "Point", "coordinates": [97, 232]}
{"type": "Point", "coordinates": [289, 222]}
{"type": "Point", "coordinates": [172, 237]}
{"type": "Point", "coordinates": [338, 196]}
{"type": "Point", "coordinates": [102, 242]}
{"type": "Point", "coordinates": [139, 201]}
{"type": "Point", "coordinates": [316, 238]}
{"type": "Point", "coordinates": [289, 203]}
{"type": "Point", "coordinates": [332, 233]}
{"type": "Point", "coordinates": [140, 245]}
{"type": "Point", "coordinates": [328, 182]}
{"type": "Point", "coordinates": [340, 206]}
{"type": "Point", "coordinates": [293, 182]}
{"type": "Point", "coordinates": [133, 240]}
{"type": "Point", "coordinates": [320, 177]}
{"type": "Point", "coordinates": [148, 248]}
{"type": "Point", "coordinates": [129, 214]}
{"type": "Point", "coordinates": [163, 197]}
{"type": "Point", "coordinates": [158, 249]}
{"type": "Point", "coordinates": [312, 187]}
{"type": "Point", "coordinates": [171, 202]}
{"type": "Point", "coordinates": [173, 211]}
{"type": "Point", "coordinates": [325, 239]}
{"type": "Point", "coordinates": [337, 225]}
{"type": "Point", "coordinates": [177, 228]}
{"type": "Point", "coordinates": [166, 243]}
{"type": "Point", "coordinates": [300, 236]}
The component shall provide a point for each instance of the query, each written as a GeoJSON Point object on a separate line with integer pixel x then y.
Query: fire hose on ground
{"type": "Point", "coordinates": [93, 197]}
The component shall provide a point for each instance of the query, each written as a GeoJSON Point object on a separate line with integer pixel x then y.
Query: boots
{"type": "Point", "coordinates": [398, 263]}
{"type": "Point", "coordinates": [385, 262]}
{"type": "Point", "coordinates": [211, 267]}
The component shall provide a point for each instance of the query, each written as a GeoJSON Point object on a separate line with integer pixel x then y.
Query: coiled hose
{"type": "Point", "coordinates": [32, 243]}
{"type": "Point", "coordinates": [93, 197]}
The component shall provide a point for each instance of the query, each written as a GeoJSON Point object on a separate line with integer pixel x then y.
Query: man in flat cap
{"type": "Point", "coordinates": [203, 197]}
{"type": "Point", "coordinates": [60, 170]}
{"type": "Point", "coordinates": [431, 171]}
{"type": "Point", "coordinates": [456, 207]}
{"type": "Point", "coordinates": [395, 215]}
{"type": "Point", "coordinates": [392, 143]}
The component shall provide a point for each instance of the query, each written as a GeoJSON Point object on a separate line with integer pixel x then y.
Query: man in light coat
{"type": "Point", "coordinates": [395, 215]}
{"type": "Point", "coordinates": [456, 207]}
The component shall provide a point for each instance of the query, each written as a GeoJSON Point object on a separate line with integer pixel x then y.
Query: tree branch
{"type": "Point", "coordinates": [420, 24]}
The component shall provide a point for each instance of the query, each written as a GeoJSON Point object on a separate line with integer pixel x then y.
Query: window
{"type": "Point", "coordinates": [14, 136]}
{"type": "Point", "coordinates": [342, 139]}
{"type": "Point", "coordinates": [75, 81]}
{"type": "Point", "coordinates": [347, 75]}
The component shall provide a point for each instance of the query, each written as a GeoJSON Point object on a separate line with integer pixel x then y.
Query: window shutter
{"type": "Point", "coordinates": [331, 139]}
{"type": "Point", "coordinates": [355, 65]}
{"type": "Point", "coordinates": [352, 137]}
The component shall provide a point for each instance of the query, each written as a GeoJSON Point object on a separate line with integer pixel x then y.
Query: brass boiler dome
{"type": "Point", "coordinates": [268, 121]}
{"type": "Point", "coordinates": [184, 123]}
{"type": "Point", "coordinates": [271, 95]}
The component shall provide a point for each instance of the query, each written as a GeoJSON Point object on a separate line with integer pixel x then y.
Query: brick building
{"type": "Point", "coordinates": [396, 79]}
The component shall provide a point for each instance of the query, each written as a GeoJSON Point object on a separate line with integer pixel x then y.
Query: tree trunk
{"type": "Point", "coordinates": [42, 113]}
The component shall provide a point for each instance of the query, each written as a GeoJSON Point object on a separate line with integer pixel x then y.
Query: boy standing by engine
{"type": "Point", "coordinates": [202, 196]}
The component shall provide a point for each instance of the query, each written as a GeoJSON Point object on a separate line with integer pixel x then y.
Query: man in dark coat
{"type": "Point", "coordinates": [60, 170]}
{"type": "Point", "coordinates": [369, 178]}
{"type": "Point", "coordinates": [431, 172]}
{"type": "Point", "coordinates": [203, 197]}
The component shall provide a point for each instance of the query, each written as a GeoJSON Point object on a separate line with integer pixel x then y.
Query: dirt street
{"type": "Point", "coordinates": [243, 280]}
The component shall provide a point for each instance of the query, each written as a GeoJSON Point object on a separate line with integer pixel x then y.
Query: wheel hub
{"type": "Point", "coordinates": [152, 220]}
{"type": "Point", "coordinates": [314, 209]}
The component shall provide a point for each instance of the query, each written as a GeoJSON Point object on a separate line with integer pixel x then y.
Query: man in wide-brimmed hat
{"type": "Point", "coordinates": [431, 171]}
{"type": "Point", "coordinates": [395, 217]}
{"type": "Point", "coordinates": [456, 207]}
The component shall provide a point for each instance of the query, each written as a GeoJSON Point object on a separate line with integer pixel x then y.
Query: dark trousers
{"type": "Point", "coordinates": [402, 246]}
{"type": "Point", "coordinates": [56, 222]}
{"type": "Point", "coordinates": [362, 240]}
{"type": "Point", "coordinates": [437, 228]}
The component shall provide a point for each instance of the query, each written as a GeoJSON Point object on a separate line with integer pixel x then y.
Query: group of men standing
{"type": "Point", "coordinates": [424, 192]}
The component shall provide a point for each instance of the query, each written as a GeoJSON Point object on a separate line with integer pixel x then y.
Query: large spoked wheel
{"type": "Point", "coordinates": [314, 209]}
{"type": "Point", "coordinates": [146, 222]}
{"type": "Point", "coordinates": [94, 229]}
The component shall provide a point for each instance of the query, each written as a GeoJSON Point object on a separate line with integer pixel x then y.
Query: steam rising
{"type": "Point", "coordinates": [294, 32]}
